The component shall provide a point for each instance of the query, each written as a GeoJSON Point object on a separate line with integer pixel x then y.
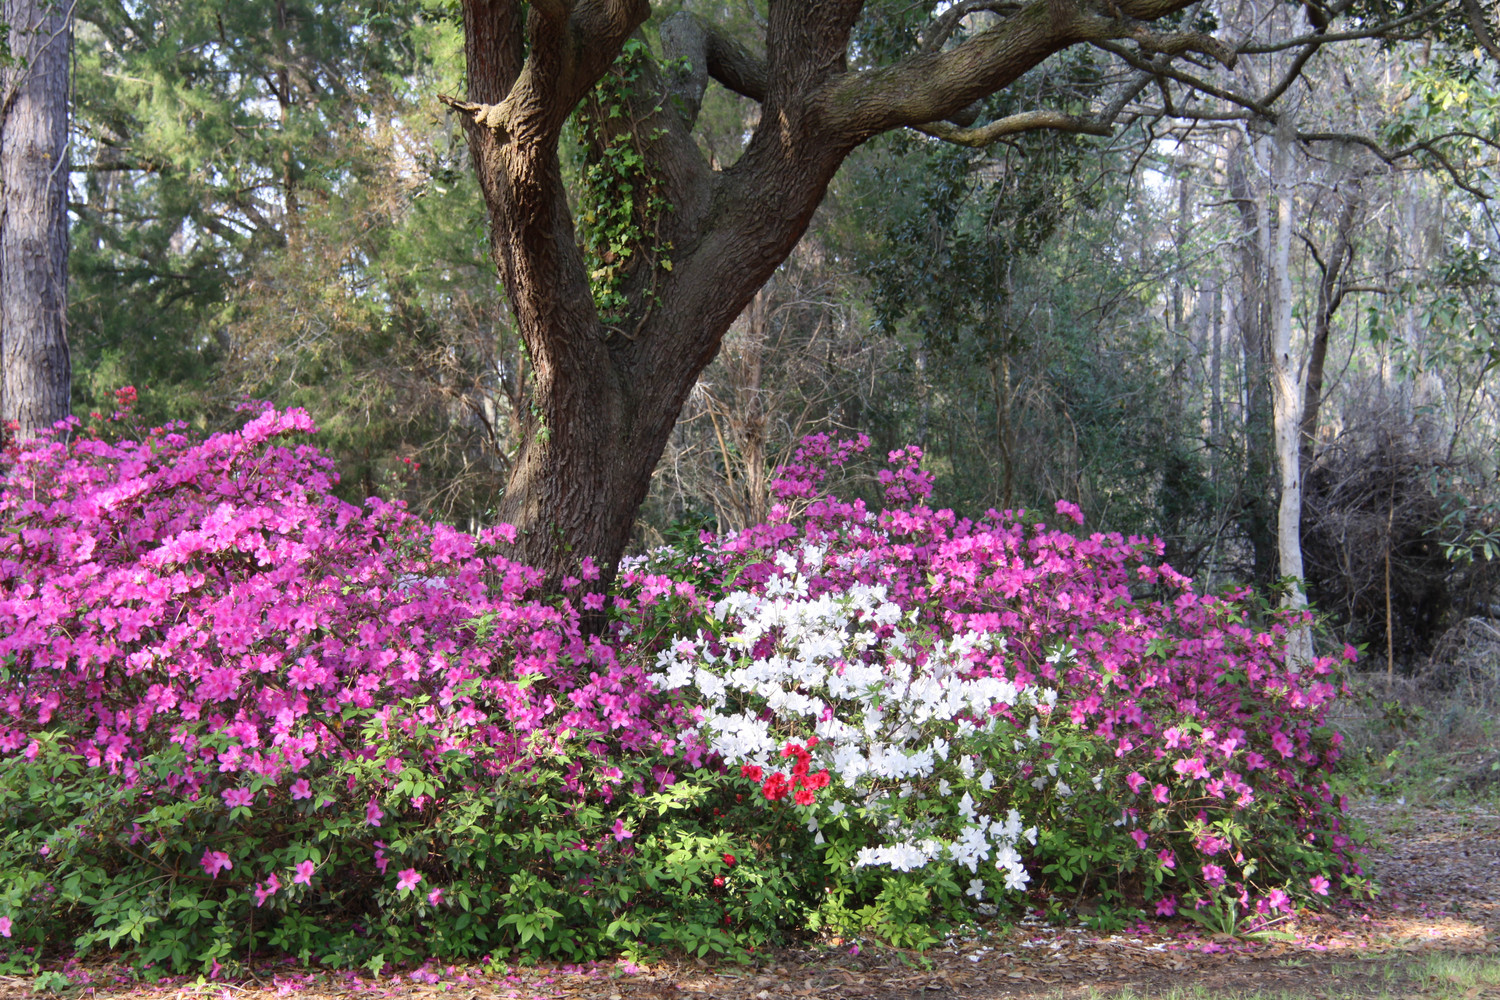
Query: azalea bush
{"type": "Point", "coordinates": [1006, 707]}
{"type": "Point", "coordinates": [238, 714]}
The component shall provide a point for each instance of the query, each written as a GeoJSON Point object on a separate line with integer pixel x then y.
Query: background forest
{"type": "Point", "coordinates": [1050, 316]}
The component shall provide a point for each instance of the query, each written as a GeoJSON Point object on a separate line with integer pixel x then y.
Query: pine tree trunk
{"type": "Point", "coordinates": [34, 365]}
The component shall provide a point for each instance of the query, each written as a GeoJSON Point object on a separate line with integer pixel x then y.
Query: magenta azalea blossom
{"type": "Point", "coordinates": [1319, 884]}
{"type": "Point", "coordinates": [1166, 907]}
{"type": "Point", "coordinates": [407, 879]}
{"type": "Point", "coordinates": [236, 797]}
{"type": "Point", "coordinates": [304, 874]}
{"type": "Point", "coordinates": [5, 926]}
{"type": "Point", "coordinates": [435, 897]}
{"type": "Point", "coordinates": [620, 832]}
{"type": "Point", "coordinates": [214, 862]}
{"type": "Point", "coordinates": [301, 789]}
{"type": "Point", "coordinates": [373, 813]}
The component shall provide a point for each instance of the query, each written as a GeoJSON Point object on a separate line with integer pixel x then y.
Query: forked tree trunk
{"type": "Point", "coordinates": [34, 366]}
{"type": "Point", "coordinates": [606, 394]}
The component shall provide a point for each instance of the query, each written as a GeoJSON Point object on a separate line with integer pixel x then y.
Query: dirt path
{"type": "Point", "coordinates": [1440, 870]}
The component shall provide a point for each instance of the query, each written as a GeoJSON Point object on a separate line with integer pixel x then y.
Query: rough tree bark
{"type": "Point", "coordinates": [606, 394]}
{"type": "Point", "coordinates": [34, 365]}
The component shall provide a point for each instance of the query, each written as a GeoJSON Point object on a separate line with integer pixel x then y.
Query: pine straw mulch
{"type": "Point", "coordinates": [1440, 870]}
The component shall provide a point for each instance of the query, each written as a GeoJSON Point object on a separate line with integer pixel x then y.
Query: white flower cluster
{"type": "Point", "coordinates": [890, 729]}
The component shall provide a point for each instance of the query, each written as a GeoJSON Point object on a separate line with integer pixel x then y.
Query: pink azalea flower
{"type": "Point", "coordinates": [407, 879]}
{"type": "Point", "coordinates": [304, 873]}
{"type": "Point", "coordinates": [301, 789]}
{"type": "Point", "coordinates": [236, 797]}
{"type": "Point", "coordinates": [1319, 885]}
{"type": "Point", "coordinates": [1279, 900]}
{"type": "Point", "coordinates": [1213, 875]}
{"type": "Point", "coordinates": [373, 813]}
{"type": "Point", "coordinates": [5, 926]}
{"type": "Point", "coordinates": [1167, 858]}
{"type": "Point", "coordinates": [1136, 782]}
{"type": "Point", "coordinates": [1166, 907]}
{"type": "Point", "coordinates": [214, 862]}
{"type": "Point", "coordinates": [1140, 838]}
{"type": "Point", "coordinates": [435, 897]}
{"type": "Point", "coordinates": [620, 832]}
{"type": "Point", "coordinates": [1159, 793]}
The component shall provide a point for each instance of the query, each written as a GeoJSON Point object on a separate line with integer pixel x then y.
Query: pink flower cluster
{"type": "Point", "coordinates": [216, 595]}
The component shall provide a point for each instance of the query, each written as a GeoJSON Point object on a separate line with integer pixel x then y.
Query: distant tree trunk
{"type": "Point", "coordinates": [34, 366]}
{"type": "Point", "coordinates": [1286, 393]}
{"type": "Point", "coordinates": [1252, 317]}
{"type": "Point", "coordinates": [1331, 287]}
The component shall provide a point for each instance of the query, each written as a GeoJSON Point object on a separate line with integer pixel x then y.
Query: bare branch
{"type": "Point", "coordinates": [1382, 30]}
{"type": "Point", "coordinates": [1026, 121]}
{"type": "Point", "coordinates": [1161, 69]}
{"type": "Point", "coordinates": [1394, 156]}
{"type": "Point", "coordinates": [943, 28]}
{"type": "Point", "coordinates": [1190, 41]}
{"type": "Point", "coordinates": [1100, 124]}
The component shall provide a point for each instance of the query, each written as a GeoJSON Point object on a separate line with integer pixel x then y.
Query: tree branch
{"type": "Point", "coordinates": [943, 28]}
{"type": "Point", "coordinates": [1027, 121]}
{"type": "Point", "coordinates": [1475, 17]}
{"type": "Point", "coordinates": [708, 54]}
{"type": "Point", "coordinates": [807, 41]}
{"type": "Point", "coordinates": [932, 86]}
{"type": "Point", "coordinates": [1392, 156]}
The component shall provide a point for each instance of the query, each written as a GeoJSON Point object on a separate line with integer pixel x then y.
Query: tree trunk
{"type": "Point", "coordinates": [1330, 297]}
{"type": "Point", "coordinates": [34, 366]}
{"type": "Point", "coordinates": [1286, 394]}
{"type": "Point", "coordinates": [610, 379]}
{"type": "Point", "coordinates": [1252, 317]}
